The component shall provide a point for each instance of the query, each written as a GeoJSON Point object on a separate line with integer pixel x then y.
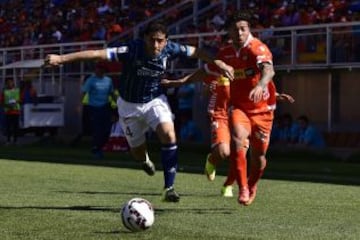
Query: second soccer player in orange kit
{"type": "Point", "coordinates": [251, 116]}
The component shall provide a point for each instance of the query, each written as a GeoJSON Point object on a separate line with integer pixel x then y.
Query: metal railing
{"type": "Point", "coordinates": [24, 62]}
{"type": "Point", "coordinates": [335, 45]}
{"type": "Point", "coordinates": [327, 46]}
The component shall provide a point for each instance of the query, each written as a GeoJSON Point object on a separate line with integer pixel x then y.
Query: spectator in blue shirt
{"type": "Point", "coordinates": [309, 135]}
{"type": "Point", "coordinates": [289, 130]}
{"type": "Point", "coordinates": [99, 88]}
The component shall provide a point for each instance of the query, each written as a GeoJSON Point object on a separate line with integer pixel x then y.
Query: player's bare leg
{"type": "Point", "coordinates": [140, 153]}
{"type": "Point", "coordinates": [219, 152]}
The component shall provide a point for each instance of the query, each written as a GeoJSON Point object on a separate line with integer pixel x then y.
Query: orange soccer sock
{"type": "Point", "coordinates": [240, 161]}
{"type": "Point", "coordinates": [255, 175]}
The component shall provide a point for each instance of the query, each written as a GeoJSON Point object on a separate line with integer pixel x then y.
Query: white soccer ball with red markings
{"type": "Point", "coordinates": [137, 214]}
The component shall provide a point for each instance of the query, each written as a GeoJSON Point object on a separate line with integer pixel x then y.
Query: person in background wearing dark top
{"type": "Point", "coordinates": [99, 88]}
{"type": "Point", "coordinates": [85, 118]}
{"type": "Point", "coordinates": [28, 93]}
{"type": "Point", "coordinates": [185, 96]}
{"type": "Point", "coordinates": [10, 99]}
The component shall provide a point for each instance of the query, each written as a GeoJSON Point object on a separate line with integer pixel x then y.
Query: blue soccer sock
{"type": "Point", "coordinates": [169, 159]}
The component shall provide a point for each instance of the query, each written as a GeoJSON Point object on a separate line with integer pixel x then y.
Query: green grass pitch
{"type": "Point", "coordinates": [78, 198]}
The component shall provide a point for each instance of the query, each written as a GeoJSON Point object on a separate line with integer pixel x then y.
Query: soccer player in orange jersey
{"type": "Point", "coordinates": [252, 116]}
{"type": "Point", "coordinates": [218, 109]}
{"type": "Point", "coordinates": [219, 88]}
{"type": "Point", "coordinates": [274, 97]}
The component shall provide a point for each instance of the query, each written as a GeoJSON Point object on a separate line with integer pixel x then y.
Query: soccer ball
{"type": "Point", "coordinates": [137, 214]}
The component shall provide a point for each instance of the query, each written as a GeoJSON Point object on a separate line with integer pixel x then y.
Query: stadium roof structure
{"type": "Point", "coordinates": [38, 63]}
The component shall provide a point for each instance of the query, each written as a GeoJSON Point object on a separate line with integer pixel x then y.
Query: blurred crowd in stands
{"type": "Point", "coordinates": [270, 14]}
{"type": "Point", "coordinates": [31, 22]}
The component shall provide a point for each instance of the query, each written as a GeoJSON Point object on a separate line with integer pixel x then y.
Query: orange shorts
{"type": "Point", "coordinates": [220, 132]}
{"type": "Point", "coordinates": [258, 125]}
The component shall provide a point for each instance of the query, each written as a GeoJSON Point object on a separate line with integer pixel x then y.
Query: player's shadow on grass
{"type": "Point", "coordinates": [136, 193]}
{"type": "Point", "coordinates": [159, 211]}
{"type": "Point", "coordinates": [116, 232]}
{"type": "Point", "coordinates": [207, 211]}
{"type": "Point", "coordinates": [110, 193]}
{"type": "Point", "coordinates": [70, 208]}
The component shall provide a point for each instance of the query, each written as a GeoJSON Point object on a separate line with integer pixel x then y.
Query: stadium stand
{"type": "Point", "coordinates": [32, 22]}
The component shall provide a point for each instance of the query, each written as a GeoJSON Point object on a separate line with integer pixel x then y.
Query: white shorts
{"type": "Point", "coordinates": [137, 118]}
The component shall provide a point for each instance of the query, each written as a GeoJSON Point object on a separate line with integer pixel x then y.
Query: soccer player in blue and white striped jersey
{"type": "Point", "coordinates": [142, 103]}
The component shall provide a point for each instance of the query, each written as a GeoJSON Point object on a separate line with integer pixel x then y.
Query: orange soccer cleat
{"type": "Point", "coordinates": [243, 195]}
{"type": "Point", "coordinates": [252, 195]}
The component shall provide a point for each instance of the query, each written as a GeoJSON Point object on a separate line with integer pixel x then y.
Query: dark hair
{"type": "Point", "coordinates": [303, 118]}
{"type": "Point", "coordinates": [156, 26]}
{"type": "Point", "coordinates": [236, 17]}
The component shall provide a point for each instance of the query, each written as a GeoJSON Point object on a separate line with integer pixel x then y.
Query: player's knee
{"type": "Point", "coordinates": [241, 142]}
{"type": "Point", "coordinates": [224, 151]}
{"type": "Point", "coordinates": [167, 137]}
{"type": "Point", "coordinates": [221, 151]}
{"type": "Point", "coordinates": [245, 143]}
{"type": "Point", "coordinates": [258, 158]}
{"type": "Point", "coordinates": [166, 133]}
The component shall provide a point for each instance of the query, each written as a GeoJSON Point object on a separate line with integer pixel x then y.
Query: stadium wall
{"type": "Point", "coordinates": [328, 97]}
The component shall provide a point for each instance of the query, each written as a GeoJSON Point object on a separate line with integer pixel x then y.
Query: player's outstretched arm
{"type": "Point", "coordinates": [227, 70]}
{"type": "Point", "coordinates": [284, 97]}
{"type": "Point", "coordinates": [56, 60]}
{"type": "Point", "coordinates": [197, 76]}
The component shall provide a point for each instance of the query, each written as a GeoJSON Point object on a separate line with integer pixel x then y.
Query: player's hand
{"type": "Point", "coordinates": [256, 94]}
{"type": "Point", "coordinates": [285, 97]}
{"type": "Point", "coordinates": [228, 71]}
{"type": "Point", "coordinates": [52, 60]}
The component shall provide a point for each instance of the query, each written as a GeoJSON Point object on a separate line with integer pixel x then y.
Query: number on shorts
{"type": "Point", "coordinates": [128, 132]}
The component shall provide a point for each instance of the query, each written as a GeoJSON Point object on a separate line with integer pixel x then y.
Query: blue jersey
{"type": "Point", "coordinates": [141, 75]}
